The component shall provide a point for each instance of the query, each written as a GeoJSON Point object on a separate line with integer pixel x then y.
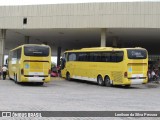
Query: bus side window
{"type": "Point", "coordinates": [105, 57]}
{"type": "Point", "coordinates": [96, 57]}
{"type": "Point", "coordinates": [119, 56]}
{"type": "Point", "coordinates": [19, 53]}
{"type": "Point", "coordinates": [83, 57]}
{"type": "Point", "coordinates": [113, 57]}
{"type": "Point", "coordinates": [91, 57]}
{"type": "Point", "coordinates": [72, 57]}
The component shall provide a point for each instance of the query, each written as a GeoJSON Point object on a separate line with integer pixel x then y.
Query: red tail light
{"type": "Point", "coordinates": [22, 71]}
{"type": "Point", "coordinates": [125, 74]}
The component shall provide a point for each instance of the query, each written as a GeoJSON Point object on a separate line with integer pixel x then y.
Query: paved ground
{"type": "Point", "coordinates": [62, 95]}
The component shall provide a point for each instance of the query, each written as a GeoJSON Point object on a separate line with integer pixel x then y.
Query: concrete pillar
{"type": "Point", "coordinates": [58, 55]}
{"type": "Point", "coordinates": [103, 37]}
{"type": "Point", "coordinates": [26, 41]}
{"type": "Point", "coordinates": [2, 45]}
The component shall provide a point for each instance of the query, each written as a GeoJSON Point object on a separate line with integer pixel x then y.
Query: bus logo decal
{"type": "Point", "coordinates": [130, 69]}
{"type": "Point", "coordinates": [26, 66]}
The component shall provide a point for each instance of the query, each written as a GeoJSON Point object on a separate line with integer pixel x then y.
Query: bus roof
{"type": "Point", "coordinates": [28, 45]}
{"type": "Point", "coordinates": [102, 49]}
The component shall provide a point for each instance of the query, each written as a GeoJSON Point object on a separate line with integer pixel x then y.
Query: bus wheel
{"type": "Point", "coordinates": [107, 81]}
{"type": "Point", "coordinates": [68, 76]}
{"type": "Point", "coordinates": [15, 78]}
{"type": "Point", "coordinates": [100, 80]}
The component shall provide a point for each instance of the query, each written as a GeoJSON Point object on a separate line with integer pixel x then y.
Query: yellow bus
{"type": "Point", "coordinates": [30, 63]}
{"type": "Point", "coordinates": [106, 65]}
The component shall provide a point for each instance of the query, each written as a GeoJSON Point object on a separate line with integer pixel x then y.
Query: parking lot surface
{"type": "Point", "coordinates": [76, 95]}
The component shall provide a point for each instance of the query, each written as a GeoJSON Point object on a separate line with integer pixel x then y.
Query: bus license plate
{"type": "Point", "coordinates": [36, 76]}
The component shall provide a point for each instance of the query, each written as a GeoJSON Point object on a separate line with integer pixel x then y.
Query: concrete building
{"type": "Point", "coordinates": [71, 26]}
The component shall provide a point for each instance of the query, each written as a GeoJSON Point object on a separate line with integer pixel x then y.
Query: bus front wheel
{"type": "Point", "coordinates": [15, 78]}
{"type": "Point", "coordinates": [68, 76]}
{"type": "Point", "coordinates": [107, 81]}
{"type": "Point", "coordinates": [100, 80]}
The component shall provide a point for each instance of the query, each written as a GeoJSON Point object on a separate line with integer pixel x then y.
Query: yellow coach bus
{"type": "Point", "coordinates": [30, 63]}
{"type": "Point", "coordinates": [106, 65]}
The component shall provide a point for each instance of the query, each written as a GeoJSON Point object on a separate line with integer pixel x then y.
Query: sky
{"type": "Point", "coordinates": [35, 2]}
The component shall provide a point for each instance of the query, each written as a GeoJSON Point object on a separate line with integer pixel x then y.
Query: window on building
{"type": "Point", "coordinates": [24, 20]}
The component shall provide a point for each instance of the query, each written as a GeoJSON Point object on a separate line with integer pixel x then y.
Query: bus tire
{"type": "Point", "coordinates": [100, 80]}
{"type": "Point", "coordinates": [15, 78]}
{"type": "Point", "coordinates": [107, 81]}
{"type": "Point", "coordinates": [68, 76]}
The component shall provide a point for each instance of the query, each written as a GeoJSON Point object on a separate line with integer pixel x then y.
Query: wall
{"type": "Point", "coordinates": [83, 15]}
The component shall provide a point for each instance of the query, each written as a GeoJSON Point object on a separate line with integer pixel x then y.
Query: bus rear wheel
{"type": "Point", "coordinates": [100, 80]}
{"type": "Point", "coordinates": [107, 81]}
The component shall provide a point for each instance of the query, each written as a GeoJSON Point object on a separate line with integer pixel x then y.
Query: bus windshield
{"type": "Point", "coordinates": [36, 51]}
{"type": "Point", "coordinates": [136, 54]}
